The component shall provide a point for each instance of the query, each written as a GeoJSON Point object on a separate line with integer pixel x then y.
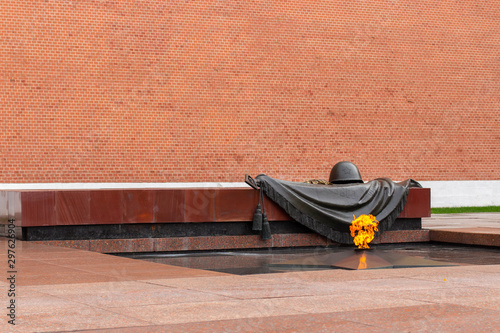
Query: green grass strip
{"type": "Point", "coordinates": [457, 210]}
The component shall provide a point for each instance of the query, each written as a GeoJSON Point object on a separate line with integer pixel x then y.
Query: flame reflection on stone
{"type": "Point", "coordinates": [358, 259]}
{"type": "Point", "coordinates": [362, 261]}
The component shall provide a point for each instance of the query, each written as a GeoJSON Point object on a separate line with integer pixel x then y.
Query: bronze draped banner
{"type": "Point", "coordinates": [329, 209]}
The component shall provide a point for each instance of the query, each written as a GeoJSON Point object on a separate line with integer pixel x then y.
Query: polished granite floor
{"type": "Point", "coordinates": [261, 261]}
{"type": "Point", "coordinates": [62, 289]}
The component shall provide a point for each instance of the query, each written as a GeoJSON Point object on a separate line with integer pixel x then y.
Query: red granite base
{"type": "Point", "coordinates": [223, 242]}
{"type": "Point", "coordinates": [132, 206]}
{"type": "Point", "coordinates": [191, 243]}
{"type": "Point", "coordinates": [402, 236]}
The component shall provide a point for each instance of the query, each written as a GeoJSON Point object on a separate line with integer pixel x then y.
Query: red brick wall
{"type": "Point", "coordinates": [167, 91]}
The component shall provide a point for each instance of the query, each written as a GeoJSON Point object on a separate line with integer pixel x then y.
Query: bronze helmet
{"type": "Point", "coordinates": [345, 173]}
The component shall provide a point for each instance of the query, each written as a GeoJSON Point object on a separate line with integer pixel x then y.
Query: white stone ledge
{"type": "Point", "coordinates": [461, 193]}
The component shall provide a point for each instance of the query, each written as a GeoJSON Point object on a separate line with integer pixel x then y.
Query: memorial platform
{"type": "Point", "coordinates": [159, 220]}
